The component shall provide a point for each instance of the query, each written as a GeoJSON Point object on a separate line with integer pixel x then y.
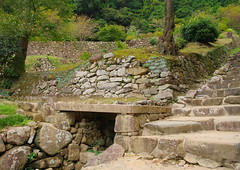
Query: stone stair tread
{"type": "Point", "coordinates": [209, 136]}
{"type": "Point", "coordinates": [226, 105]}
{"type": "Point", "coordinates": [221, 123]}
{"type": "Point", "coordinates": [211, 145]}
{"type": "Point", "coordinates": [218, 119]}
{"type": "Point", "coordinates": [170, 127]}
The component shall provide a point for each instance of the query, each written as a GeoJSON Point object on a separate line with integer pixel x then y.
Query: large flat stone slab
{"type": "Point", "coordinates": [110, 108]}
{"type": "Point", "coordinates": [170, 127]}
{"type": "Point", "coordinates": [218, 146]}
{"type": "Point", "coordinates": [221, 123]}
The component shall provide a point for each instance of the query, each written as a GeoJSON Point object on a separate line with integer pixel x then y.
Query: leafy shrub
{"type": "Point", "coordinates": [181, 43]}
{"type": "Point", "coordinates": [153, 41]}
{"type": "Point", "coordinates": [201, 30]}
{"type": "Point", "coordinates": [120, 45]}
{"type": "Point", "coordinates": [85, 56]}
{"type": "Point", "coordinates": [111, 33]}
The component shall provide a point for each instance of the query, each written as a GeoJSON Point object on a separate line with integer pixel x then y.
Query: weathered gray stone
{"type": "Point", "coordinates": [73, 152]}
{"type": "Point", "coordinates": [121, 72]}
{"type": "Point", "coordinates": [2, 146]}
{"type": "Point", "coordinates": [15, 159]}
{"type": "Point", "coordinates": [137, 71]}
{"type": "Point", "coordinates": [18, 135]}
{"type": "Point", "coordinates": [103, 77]}
{"type": "Point", "coordinates": [86, 85]}
{"type": "Point", "coordinates": [108, 55]}
{"type": "Point", "coordinates": [51, 162]}
{"type": "Point", "coordinates": [101, 72]}
{"type": "Point", "coordinates": [232, 100]}
{"type": "Point", "coordinates": [213, 111]}
{"type": "Point", "coordinates": [181, 111]}
{"type": "Point", "coordinates": [81, 74]}
{"type": "Point", "coordinates": [171, 127]}
{"type": "Point", "coordinates": [107, 86]}
{"type": "Point", "coordinates": [208, 163]}
{"type": "Point", "coordinates": [86, 156]}
{"type": "Point", "coordinates": [233, 110]}
{"type": "Point", "coordinates": [88, 91]}
{"type": "Point", "coordinates": [126, 123]}
{"type": "Point", "coordinates": [165, 94]}
{"type": "Point", "coordinates": [116, 79]}
{"type": "Point", "coordinates": [124, 141]}
{"type": "Point", "coordinates": [165, 74]}
{"type": "Point", "coordinates": [95, 58]}
{"type": "Point", "coordinates": [51, 140]}
{"type": "Point", "coordinates": [170, 148]}
{"type": "Point", "coordinates": [142, 144]}
{"type": "Point", "coordinates": [191, 158]}
{"type": "Point", "coordinates": [112, 153]}
{"type": "Point", "coordinates": [111, 67]}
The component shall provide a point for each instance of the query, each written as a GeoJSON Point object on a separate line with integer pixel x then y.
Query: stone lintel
{"type": "Point", "coordinates": [111, 108]}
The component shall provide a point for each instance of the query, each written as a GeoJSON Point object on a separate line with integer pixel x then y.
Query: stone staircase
{"type": "Point", "coordinates": [205, 126]}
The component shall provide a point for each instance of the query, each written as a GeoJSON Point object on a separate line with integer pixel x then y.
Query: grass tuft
{"type": "Point", "coordinates": [11, 119]}
{"type": "Point", "coordinates": [140, 54]}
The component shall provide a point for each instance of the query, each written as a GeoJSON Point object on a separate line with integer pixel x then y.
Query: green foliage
{"type": "Point", "coordinates": [231, 15]}
{"type": "Point", "coordinates": [201, 30]}
{"type": "Point", "coordinates": [32, 60]}
{"type": "Point", "coordinates": [180, 42]}
{"type": "Point", "coordinates": [122, 16]}
{"type": "Point", "coordinates": [111, 33]}
{"type": "Point", "coordinates": [85, 56]}
{"type": "Point", "coordinates": [140, 54]}
{"type": "Point", "coordinates": [13, 120]}
{"type": "Point", "coordinates": [32, 156]}
{"type": "Point", "coordinates": [120, 45]}
{"type": "Point", "coordinates": [153, 41]}
{"type": "Point", "coordinates": [7, 109]}
{"type": "Point", "coordinates": [234, 51]}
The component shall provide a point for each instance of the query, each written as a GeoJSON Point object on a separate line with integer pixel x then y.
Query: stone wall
{"type": "Point", "coordinates": [74, 49]}
{"type": "Point", "coordinates": [156, 81]}
{"type": "Point", "coordinates": [69, 50]}
{"type": "Point", "coordinates": [66, 140]}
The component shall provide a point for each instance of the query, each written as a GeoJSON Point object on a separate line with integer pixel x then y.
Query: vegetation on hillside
{"type": "Point", "coordinates": [108, 20]}
{"type": "Point", "coordinates": [8, 116]}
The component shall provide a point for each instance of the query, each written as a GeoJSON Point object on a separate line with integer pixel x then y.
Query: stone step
{"type": "Point", "coordinates": [204, 101]}
{"type": "Point", "coordinates": [207, 148]}
{"type": "Point", "coordinates": [232, 110]}
{"type": "Point", "coordinates": [170, 127]}
{"type": "Point", "coordinates": [213, 101]}
{"type": "Point", "coordinates": [220, 93]}
{"type": "Point", "coordinates": [223, 123]}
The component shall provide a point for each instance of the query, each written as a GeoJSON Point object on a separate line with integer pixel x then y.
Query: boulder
{"type": "Point", "coordinates": [112, 153]}
{"type": "Point", "coordinates": [18, 135]}
{"type": "Point", "coordinates": [137, 71]}
{"type": "Point", "coordinates": [73, 152]}
{"type": "Point", "coordinates": [95, 58]}
{"type": "Point", "coordinates": [51, 162]}
{"type": "Point", "coordinates": [108, 55]}
{"type": "Point", "coordinates": [51, 140]}
{"type": "Point", "coordinates": [15, 158]}
{"type": "Point", "coordinates": [2, 146]}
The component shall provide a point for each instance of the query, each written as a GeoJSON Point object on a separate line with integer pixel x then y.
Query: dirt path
{"type": "Point", "coordinates": [136, 163]}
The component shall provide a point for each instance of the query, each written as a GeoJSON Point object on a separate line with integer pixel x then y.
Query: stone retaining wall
{"type": "Point", "coordinates": [66, 140]}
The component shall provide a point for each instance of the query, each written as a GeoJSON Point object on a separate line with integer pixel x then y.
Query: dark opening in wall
{"type": "Point", "coordinates": [97, 130]}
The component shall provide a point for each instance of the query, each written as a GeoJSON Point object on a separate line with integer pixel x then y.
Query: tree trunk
{"type": "Point", "coordinates": [19, 59]}
{"type": "Point", "coordinates": [166, 42]}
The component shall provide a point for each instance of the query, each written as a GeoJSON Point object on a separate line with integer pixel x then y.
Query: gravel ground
{"type": "Point", "coordinates": [136, 163]}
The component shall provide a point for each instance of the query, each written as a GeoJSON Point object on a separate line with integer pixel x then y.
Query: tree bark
{"type": "Point", "coordinates": [166, 43]}
{"type": "Point", "coordinates": [19, 59]}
